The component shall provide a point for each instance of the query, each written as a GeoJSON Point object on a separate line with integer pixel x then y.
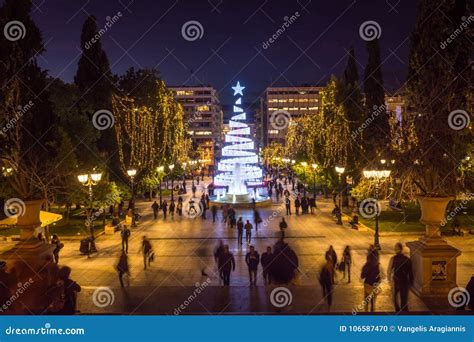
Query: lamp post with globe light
{"type": "Point", "coordinates": [89, 180]}
{"type": "Point", "coordinates": [132, 173]}
{"type": "Point", "coordinates": [171, 167]}
{"type": "Point", "coordinates": [340, 171]}
{"type": "Point", "coordinates": [378, 175]}
{"type": "Point", "coordinates": [160, 170]}
{"type": "Point", "coordinates": [314, 166]}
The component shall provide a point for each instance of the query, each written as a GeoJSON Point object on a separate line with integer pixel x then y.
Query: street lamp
{"type": "Point", "coordinates": [340, 171]}
{"type": "Point", "coordinates": [131, 173]}
{"type": "Point", "coordinates": [377, 175]}
{"type": "Point", "coordinates": [160, 169]}
{"type": "Point", "coordinates": [171, 167]}
{"type": "Point", "coordinates": [314, 166]}
{"type": "Point", "coordinates": [89, 180]}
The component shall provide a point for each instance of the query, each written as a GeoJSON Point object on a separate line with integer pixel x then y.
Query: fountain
{"type": "Point", "coordinates": [239, 167]}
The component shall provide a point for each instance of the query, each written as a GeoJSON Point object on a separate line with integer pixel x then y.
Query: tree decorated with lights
{"type": "Point", "coordinates": [238, 167]}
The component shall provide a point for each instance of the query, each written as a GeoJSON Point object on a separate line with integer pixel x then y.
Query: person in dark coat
{"type": "Point", "coordinates": [240, 230]}
{"type": "Point", "coordinates": [283, 225]}
{"type": "Point", "coordinates": [155, 208]}
{"type": "Point", "coordinates": [164, 207]}
{"type": "Point", "coordinates": [227, 265]}
{"type": "Point", "coordinates": [122, 268]}
{"type": "Point", "coordinates": [372, 276]}
{"type": "Point", "coordinates": [252, 259]}
{"type": "Point", "coordinates": [58, 245]}
{"type": "Point", "coordinates": [400, 273]}
{"type": "Point", "coordinates": [331, 255]}
{"type": "Point", "coordinates": [71, 288]}
{"type": "Point", "coordinates": [288, 205]}
{"type": "Point", "coordinates": [285, 263]}
{"type": "Point", "coordinates": [346, 263]}
{"type": "Point", "coordinates": [147, 251]}
{"type": "Point", "coordinates": [267, 260]}
{"type": "Point", "coordinates": [218, 251]}
{"type": "Point", "coordinates": [214, 212]}
{"type": "Point", "coordinates": [125, 234]}
{"type": "Point", "coordinates": [297, 205]}
{"type": "Point", "coordinates": [326, 279]}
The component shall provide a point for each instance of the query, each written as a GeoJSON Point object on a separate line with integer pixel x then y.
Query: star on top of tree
{"type": "Point", "coordinates": [238, 89]}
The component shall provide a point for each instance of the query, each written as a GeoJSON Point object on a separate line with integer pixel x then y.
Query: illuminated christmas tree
{"type": "Point", "coordinates": [238, 168]}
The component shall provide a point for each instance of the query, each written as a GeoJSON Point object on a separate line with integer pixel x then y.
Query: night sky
{"type": "Point", "coordinates": [149, 35]}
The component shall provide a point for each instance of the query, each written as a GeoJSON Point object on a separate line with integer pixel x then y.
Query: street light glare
{"type": "Point", "coordinates": [83, 178]}
{"type": "Point", "coordinates": [132, 172]}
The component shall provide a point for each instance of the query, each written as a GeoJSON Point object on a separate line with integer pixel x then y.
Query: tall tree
{"type": "Point", "coordinates": [94, 80]}
{"type": "Point", "coordinates": [350, 97]}
{"type": "Point", "coordinates": [437, 87]}
{"type": "Point", "coordinates": [377, 132]}
{"type": "Point", "coordinates": [29, 138]}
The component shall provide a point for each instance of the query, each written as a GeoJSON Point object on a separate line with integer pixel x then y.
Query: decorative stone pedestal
{"type": "Point", "coordinates": [29, 262]}
{"type": "Point", "coordinates": [433, 259]}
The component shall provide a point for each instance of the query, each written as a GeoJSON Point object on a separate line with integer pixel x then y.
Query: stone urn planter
{"type": "Point", "coordinates": [30, 263]}
{"type": "Point", "coordinates": [433, 259]}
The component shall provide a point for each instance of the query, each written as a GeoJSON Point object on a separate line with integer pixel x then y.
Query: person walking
{"type": "Point", "coordinates": [332, 256]}
{"type": "Point", "coordinates": [283, 226]}
{"type": "Point", "coordinates": [326, 279]}
{"type": "Point", "coordinates": [147, 251]}
{"type": "Point", "coordinates": [252, 259]}
{"type": "Point", "coordinates": [214, 213]}
{"type": "Point", "coordinates": [122, 268]}
{"type": "Point", "coordinates": [218, 251]}
{"type": "Point", "coordinates": [203, 207]}
{"type": "Point", "coordinates": [58, 245]}
{"type": "Point", "coordinates": [70, 288]}
{"type": "Point", "coordinates": [288, 205]}
{"type": "Point", "coordinates": [155, 207]}
{"type": "Point", "coordinates": [372, 276]}
{"type": "Point", "coordinates": [346, 263]}
{"type": "Point", "coordinates": [240, 230]}
{"type": "Point", "coordinates": [297, 205]}
{"type": "Point", "coordinates": [400, 275]}
{"type": "Point", "coordinates": [125, 234]}
{"type": "Point", "coordinates": [266, 260]}
{"type": "Point", "coordinates": [179, 206]}
{"type": "Point", "coordinates": [164, 207]}
{"type": "Point", "coordinates": [248, 232]}
{"type": "Point", "coordinates": [172, 208]}
{"type": "Point", "coordinates": [256, 219]}
{"type": "Point", "coordinates": [227, 265]}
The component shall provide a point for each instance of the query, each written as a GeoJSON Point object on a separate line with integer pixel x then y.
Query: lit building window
{"type": "Point", "coordinates": [184, 92]}
{"type": "Point", "coordinates": [203, 133]}
{"type": "Point", "coordinates": [203, 108]}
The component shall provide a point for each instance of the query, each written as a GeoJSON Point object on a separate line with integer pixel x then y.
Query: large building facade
{"type": "Point", "coordinates": [285, 104]}
{"type": "Point", "coordinates": [203, 119]}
